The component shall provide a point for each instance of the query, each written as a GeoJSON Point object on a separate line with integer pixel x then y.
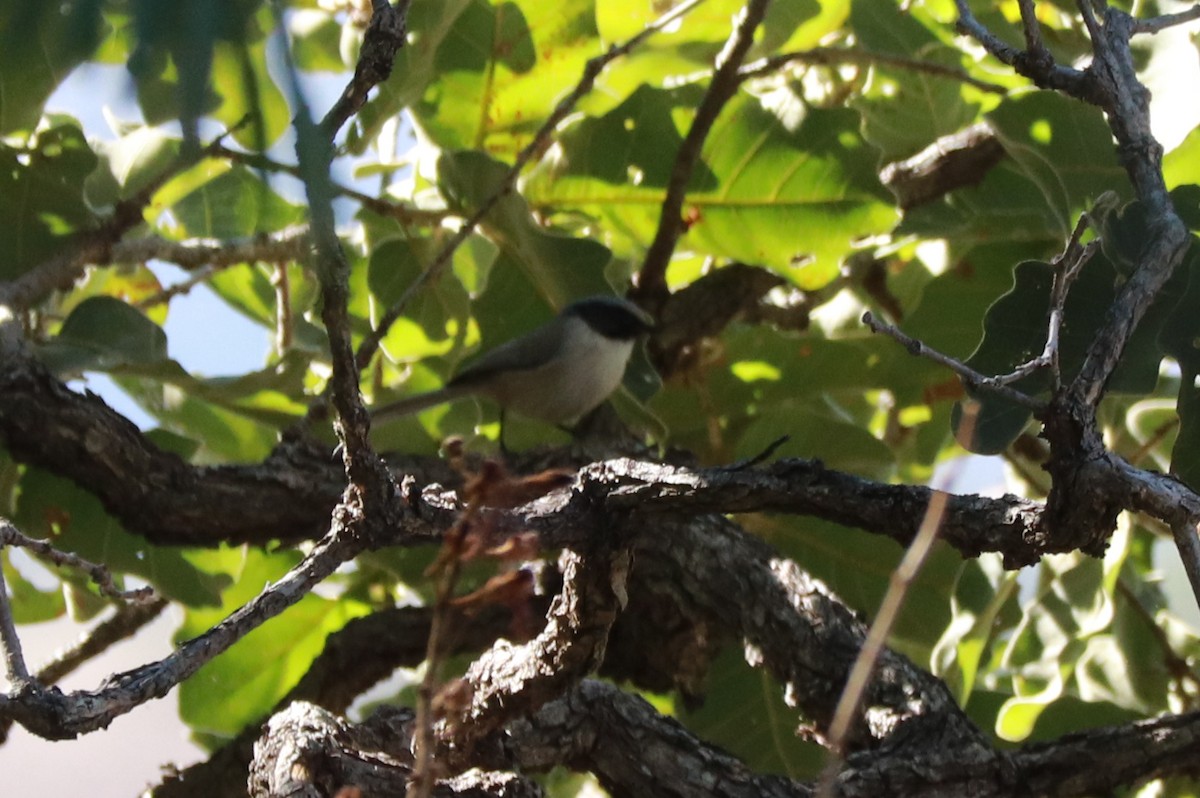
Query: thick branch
{"type": "Point", "coordinates": [357, 656]}
{"type": "Point", "coordinates": [307, 751]}
{"type": "Point", "coordinates": [633, 750]}
{"type": "Point", "coordinates": [959, 159]}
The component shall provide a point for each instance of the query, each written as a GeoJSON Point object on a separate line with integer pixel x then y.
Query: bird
{"type": "Point", "coordinates": [557, 373]}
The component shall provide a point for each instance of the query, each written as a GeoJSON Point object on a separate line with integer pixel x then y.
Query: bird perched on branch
{"type": "Point", "coordinates": [558, 372]}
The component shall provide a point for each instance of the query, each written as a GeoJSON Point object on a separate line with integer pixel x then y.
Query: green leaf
{"type": "Point", "coordinates": [249, 290]}
{"type": "Point", "coordinates": [437, 319]}
{"type": "Point", "coordinates": [744, 713]}
{"type": "Point", "coordinates": [173, 61]}
{"type": "Point", "coordinates": [983, 603]}
{"type": "Point", "coordinates": [856, 565]}
{"type": "Point", "coordinates": [317, 40]}
{"type": "Point", "coordinates": [778, 184]}
{"type": "Point", "coordinates": [501, 66]}
{"type": "Point", "coordinates": [1185, 462]}
{"type": "Point", "coordinates": [560, 268]}
{"type": "Point", "coordinates": [41, 195]}
{"type": "Point", "coordinates": [29, 603]}
{"type": "Point", "coordinates": [905, 110]}
{"type": "Point", "coordinates": [40, 45]}
{"type": "Point", "coordinates": [1063, 146]}
{"type": "Point", "coordinates": [130, 163]}
{"type": "Point", "coordinates": [235, 203]}
{"type": "Point", "coordinates": [103, 334]}
{"type": "Point", "coordinates": [249, 94]}
{"type": "Point", "coordinates": [71, 519]}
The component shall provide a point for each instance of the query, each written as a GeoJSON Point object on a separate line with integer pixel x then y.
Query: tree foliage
{"type": "Point", "coordinates": [979, 178]}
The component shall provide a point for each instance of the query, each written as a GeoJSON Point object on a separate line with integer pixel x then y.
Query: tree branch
{"type": "Point", "coordinates": [829, 56]}
{"type": "Point", "coordinates": [537, 145]}
{"type": "Point", "coordinates": [384, 37]}
{"type": "Point", "coordinates": [307, 751]}
{"type": "Point", "coordinates": [650, 284]}
{"type": "Point", "coordinates": [281, 246]}
{"type": "Point", "coordinates": [355, 657]}
{"type": "Point", "coordinates": [55, 715]}
{"type": "Point", "coordinates": [1164, 21]}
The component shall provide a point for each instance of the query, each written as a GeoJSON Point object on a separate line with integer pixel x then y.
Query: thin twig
{"type": "Point", "coordinates": [1099, 43]}
{"type": "Point", "coordinates": [651, 278]}
{"type": "Point", "coordinates": [100, 575]}
{"type": "Point", "coordinates": [94, 246]}
{"type": "Point", "coordinates": [1037, 65]}
{"type": "Point", "coordinates": [827, 56]}
{"type": "Point", "coordinates": [421, 784]}
{"type": "Point", "coordinates": [399, 211]}
{"type": "Point", "coordinates": [283, 308]}
{"type": "Point", "coordinates": [1188, 544]}
{"type": "Point", "coordinates": [1032, 30]}
{"type": "Point", "coordinates": [1163, 21]}
{"type": "Point", "coordinates": [182, 288]}
{"type": "Point", "coordinates": [127, 620]}
{"type": "Point", "coordinates": [284, 245]}
{"type": "Point", "coordinates": [591, 71]}
{"type": "Point", "coordinates": [384, 37]}
{"type": "Point", "coordinates": [314, 154]}
{"type": "Point", "coordinates": [1177, 665]}
{"type": "Point", "coordinates": [1156, 437]}
{"type": "Point", "coordinates": [967, 24]}
{"type": "Point", "coordinates": [14, 659]}
{"type": "Point", "coordinates": [970, 376]}
{"type": "Point", "coordinates": [850, 703]}
{"type": "Point", "coordinates": [1067, 266]}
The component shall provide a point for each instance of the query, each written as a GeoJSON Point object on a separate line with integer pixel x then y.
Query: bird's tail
{"type": "Point", "coordinates": [417, 403]}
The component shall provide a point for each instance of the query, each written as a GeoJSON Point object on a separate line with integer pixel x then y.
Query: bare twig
{"type": "Point", "coordinates": [450, 561]}
{"type": "Point", "coordinates": [969, 375]}
{"type": "Point", "coordinates": [1188, 544]}
{"type": "Point", "coordinates": [11, 536]}
{"type": "Point", "coordinates": [850, 703]}
{"type": "Point", "coordinates": [405, 214]}
{"type": "Point", "coordinates": [55, 715]}
{"type": "Point", "coordinates": [314, 154]}
{"type": "Point", "coordinates": [1032, 30]}
{"type": "Point", "coordinates": [1035, 65]}
{"type": "Point", "coordinates": [94, 246]}
{"type": "Point", "coordinates": [14, 659]}
{"type": "Point", "coordinates": [828, 56]}
{"type": "Point", "coordinates": [1164, 21]}
{"type": "Point", "coordinates": [204, 257]}
{"type": "Point", "coordinates": [650, 285]}
{"type": "Point", "coordinates": [1176, 664]}
{"type": "Point", "coordinates": [1066, 268]}
{"type": "Point", "coordinates": [127, 620]}
{"type": "Point", "coordinates": [281, 246]}
{"type": "Point", "coordinates": [1156, 437]}
{"type": "Point", "coordinates": [283, 308]}
{"type": "Point", "coordinates": [536, 146]}
{"type": "Point", "coordinates": [182, 288]}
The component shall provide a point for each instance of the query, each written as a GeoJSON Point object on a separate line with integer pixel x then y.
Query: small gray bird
{"type": "Point", "coordinates": [558, 372]}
